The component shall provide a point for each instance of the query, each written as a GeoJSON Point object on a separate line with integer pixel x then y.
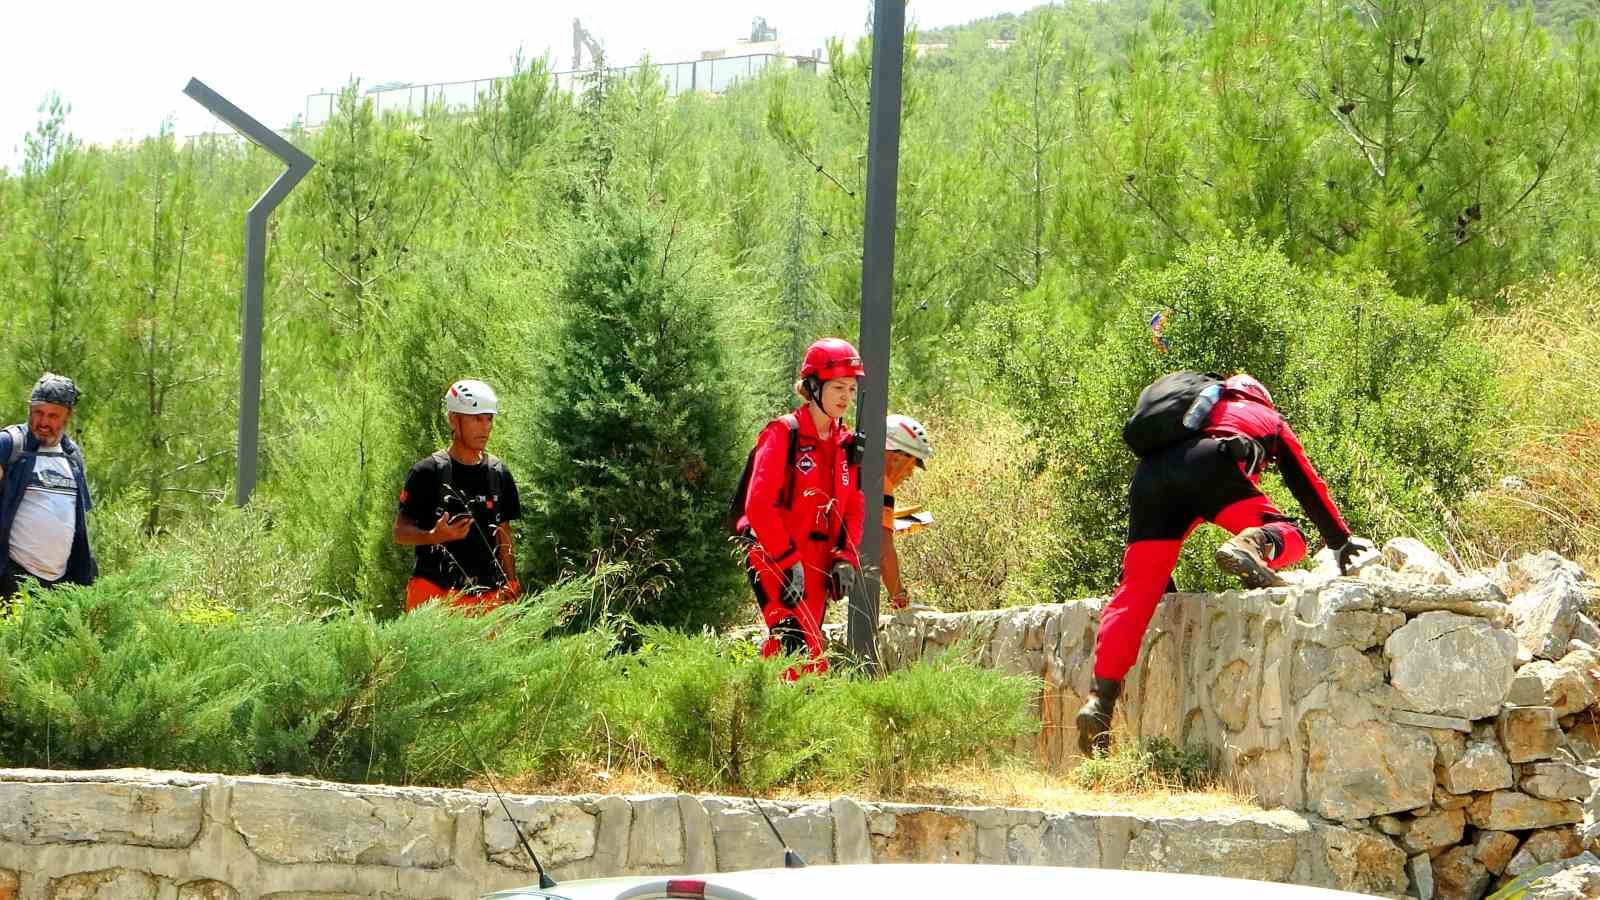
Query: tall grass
{"type": "Point", "coordinates": [1545, 492]}
{"type": "Point", "coordinates": [992, 512]}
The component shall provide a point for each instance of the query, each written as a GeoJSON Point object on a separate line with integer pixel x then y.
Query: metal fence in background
{"type": "Point", "coordinates": [707, 75]}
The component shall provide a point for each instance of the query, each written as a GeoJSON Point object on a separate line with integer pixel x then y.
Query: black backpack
{"type": "Point", "coordinates": [736, 507]}
{"type": "Point", "coordinates": [1158, 418]}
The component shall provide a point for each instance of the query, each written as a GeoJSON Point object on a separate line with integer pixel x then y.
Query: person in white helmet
{"type": "Point", "coordinates": [906, 449]}
{"type": "Point", "coordinates": [456, 509]}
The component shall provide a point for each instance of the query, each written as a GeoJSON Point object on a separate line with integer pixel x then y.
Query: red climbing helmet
{"type": "Point", "coordinates": [1247, 385]}
{"type": "Point", "coordinates": [831, 358]}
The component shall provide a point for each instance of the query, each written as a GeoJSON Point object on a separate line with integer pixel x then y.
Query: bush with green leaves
{"type": "Point", "coordinates": [934, 713]}
{"type": "Point", "coordinates": [1387, 393]}
{"type": "Point", "coordinates": [634, 447]}
{"type": "Point", "coordinates": [1148, 764]}
{"type": "Point", "coordinates": [132, 672]}
{"type": "Point", "coordinates": [714, 714]}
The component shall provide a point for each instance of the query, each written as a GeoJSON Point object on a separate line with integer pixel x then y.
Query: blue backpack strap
{"type": "Point", "coordinates": [19, 437]}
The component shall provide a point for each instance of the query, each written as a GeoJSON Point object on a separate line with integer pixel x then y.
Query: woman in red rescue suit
{"type": "Point", "coordinates": [1213, 477]}
{"type": "Point", "coordinates": [804, 508]}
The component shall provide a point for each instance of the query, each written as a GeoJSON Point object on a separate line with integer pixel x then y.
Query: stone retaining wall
{"type": "Point", "coordinates": [142, 835]}
{"type": "Point", "coordinates": [1410, 701]}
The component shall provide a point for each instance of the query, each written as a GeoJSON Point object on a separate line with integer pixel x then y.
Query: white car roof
{"type": "Point", "coordinates": [877, 882]}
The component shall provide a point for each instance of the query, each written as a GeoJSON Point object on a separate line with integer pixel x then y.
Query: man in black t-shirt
{"type": "Point", "coordinates": [456, 509]}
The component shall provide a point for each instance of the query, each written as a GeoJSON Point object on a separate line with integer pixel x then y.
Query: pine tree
{"type": "Point", "coordinates": [635, 423]}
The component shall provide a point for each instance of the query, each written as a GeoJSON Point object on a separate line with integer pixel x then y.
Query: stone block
{"type": "Point", "coordinates": [105, 884]}
{"type": "Point", "coordinates": [1420, 867]}
{"type": "Point", "coordinates": [1543, 617]}
{"type": "Point", "coordinates": [1482, 767]}
{"type": "Point", "coordinates": [1389, 770]}
{"type": "Point", "coordinates": [1363, 862]}
{"type": "Point", "coordinates": [1415, 561]}
{"type": "Point", "coordinates": [1450, 664]}
{"type": "Point", "coordinates": [851, 844]}
{"type": "Point", "coordinates": [655, 834]}
{"type": "Point", "coordinates": [1070, 840]}
{"type": "Point", "coordinates": [699, 849]}
{"type": "Point", "coordinates": [1583, 740]}
{"type": "Point", "coordinates": [744, 841]}
{"type": "Point", "coordinates": [560, 832]}
{"type": "Point", "coordinates": [295, 823]}
{"type": "Point", "coordinates": [927, 836]}
{"type": "Point", "coordinates": [1543, 846]}
{"type": "Point", "coordinates": [207, 889]}
{"type": "Point", "coordinates": [1494, 849]}
{"type": "Point", "coordinates": [9, 883]}
{"type": "Point", "coordinates": [1511, 811]}
{"type": "Point", "coordinates": [1532, 568]}
{"type": "Point", "coordinates": [1457, 875]}
{"type": "Point", "coordinates": [1431, 832]}
{"type": "Point", "coordinates": [1443, 799]}
{"type": "Point", "coordinates": [1528, 732]}
{"type": "Point", "coordinates": [139, 815]}
{"type": "Point", "coordinates": [1261, 846]}
{"type": "Point", "coordinates": [1565, 685]}
{"type": "Point", "coordinates": [1392, 826]}
{"type": "Point", "coordinates": [1558, 781]}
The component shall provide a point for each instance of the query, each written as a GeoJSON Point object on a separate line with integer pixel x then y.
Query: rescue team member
{"type": "Point", "coordinates": [906, 449]}
{"type": "Point", "coordinates": [803, 507]}
{"type": "Point", "coordinates": [1212, 477]}
{"type": "Point", "coordinates": [456, 509]}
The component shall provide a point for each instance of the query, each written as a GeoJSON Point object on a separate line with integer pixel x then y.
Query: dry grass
{"type": "Point", "coordinates": [1545, 489]}
{"type": "Point", "coordinates": [1016, 785]}
{"type": "Point", "coordinates": [991, 514]}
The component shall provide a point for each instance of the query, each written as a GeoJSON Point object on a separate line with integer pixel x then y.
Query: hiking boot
{"type": "Point", "coordinates": [1094, 719]}
{"type": "Point", "coordinates": [1246, 555]}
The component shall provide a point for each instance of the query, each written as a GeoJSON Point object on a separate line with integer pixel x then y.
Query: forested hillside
{"type": "Point", "coordinates": [1383, 209]}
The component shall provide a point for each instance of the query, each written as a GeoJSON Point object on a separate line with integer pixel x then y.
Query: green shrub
{"type": "Point", "coordinates": [932, 714]}
{"type": "Point", "coordinates": [1148, 764]}
{"type": "Point", "coordinates": [1388, 394]}
{"type": "Point", "coordinates": [713, 714]}
{"type": "Point", "coordinates": [635, 423]}
{"type": "Point", "coordinates": [128, 673]}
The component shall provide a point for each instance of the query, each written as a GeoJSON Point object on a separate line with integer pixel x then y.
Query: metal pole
{"type": "Point", "coordinates": [255, 264]}
{"type": "Point", "coordinates": [877, 304]}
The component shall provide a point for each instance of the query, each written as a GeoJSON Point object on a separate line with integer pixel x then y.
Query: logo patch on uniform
{"type": "Point", "coordinates": [805, 463]}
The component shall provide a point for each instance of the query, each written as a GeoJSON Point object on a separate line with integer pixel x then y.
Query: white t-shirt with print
{"type": "Point", "coordinates": [41, 533]}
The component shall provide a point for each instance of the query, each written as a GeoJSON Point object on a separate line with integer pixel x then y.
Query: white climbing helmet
{"type": "Point", "coordinates": [908, 436]}
{"type": "Point", "coordinates": [471, 397]}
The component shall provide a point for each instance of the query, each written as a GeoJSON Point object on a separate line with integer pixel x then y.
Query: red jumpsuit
{"type": "Point", "coordinates": [811, 512]}
{"type": "Point", "coordinates": [1175, 489]}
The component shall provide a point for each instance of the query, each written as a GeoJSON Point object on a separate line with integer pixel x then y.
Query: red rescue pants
{"type": "Point", "coordinates": [420, 590]}
{"type": "Point", "coordinates": [791, 629]}
{"type": "Point", "coordinates": [1170, 497]}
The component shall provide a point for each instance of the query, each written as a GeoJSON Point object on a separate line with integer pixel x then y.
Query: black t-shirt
{"type": "Point", "coordinates": [439, 484]}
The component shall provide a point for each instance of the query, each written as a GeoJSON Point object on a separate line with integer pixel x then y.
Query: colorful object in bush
{"type": "Point", "coordinates": [1158, 324]}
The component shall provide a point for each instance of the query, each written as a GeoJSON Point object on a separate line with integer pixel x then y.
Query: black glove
{"type": "Point", "coordinates": [794, 587]}
{"type": "Point", "coordinates": [1352, 548]}
{"type": "Point", "coordinates": [842, 578]}
{"type": "Point", "coordinates": [1241, 449]}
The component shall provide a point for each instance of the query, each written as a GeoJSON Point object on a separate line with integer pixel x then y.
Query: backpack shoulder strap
{"type": "Point", "coordinates": [786, 499]}
{"type": "Point", "coordinates": [19, 436]}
